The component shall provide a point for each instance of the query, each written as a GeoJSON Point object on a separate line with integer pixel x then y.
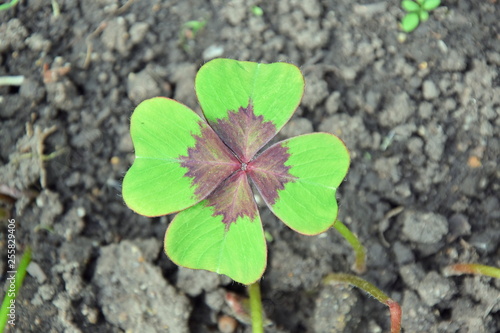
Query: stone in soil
{"type": "Point", "coordinates": [425, 228]}
{"type": "Point", "coordinates": [133, 293]}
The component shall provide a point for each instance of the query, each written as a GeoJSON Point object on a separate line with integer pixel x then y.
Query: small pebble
{"type": "Point", "coordinates": [213, 51]}
{"type": "Point", "coordinates": [424, 228]}
{"type": "Point", "coordinates": [333, 103]}
{"type": "Point", "coordinates": [486, 241]}
{"type": "Point", "coordinates": [474, 162]}
{"type": "Point", "coordinates": [429, 90]}
{"type": "Point", "coordinates": [227, 324]}
{"type": "Point", "coordinates": [459, 226]}
{"type": "Point", "coordinates": [434, 289]}
{"type": "Point", "coordinates": [141, 86]}
{"type": "Point", "coordinates": [138, 31]}
{"type": "Point", "coordinates": [80, 212]}
{"type": "Point", "coordinates": [402, 253]}
{"type": "Point", "coordinates": [36, 271]}
{"type": "Point", "coordinates": [115, 160]}
{"type": "Point", "coordinates": [297, 126]}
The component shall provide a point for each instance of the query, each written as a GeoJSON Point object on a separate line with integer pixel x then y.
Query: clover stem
{"type": "Point", "coordinates": [256, 307]}
{"type": "Point", "coordinates": [394, 308]}
{"type": "Point", "coordinates": [359, 265]}
{"type": "Point", "coordinates": [459, 269]}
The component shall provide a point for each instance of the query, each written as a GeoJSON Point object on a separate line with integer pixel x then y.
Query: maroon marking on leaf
{"type": "Point", "coordinates": [209, 162]}
{"type": "Point", "coordinates": [244, 132]}
{"type": "Point", "coordinates": [233, 198]}
{"type": "Point", "coordinates": [269, 172]}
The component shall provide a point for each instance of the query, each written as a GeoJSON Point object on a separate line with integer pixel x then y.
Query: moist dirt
{"type": "Point", "coordinates": [420, 114]}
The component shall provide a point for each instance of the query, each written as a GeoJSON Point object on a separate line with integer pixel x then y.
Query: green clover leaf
{"type": "Point", "coordinates": [410, 22]}
{"type": "Point", "coordinates": [430, 4]}
{"type": "Point", "coordinates": [416, 12]}
{"type": "Point", "coordinates": [203, 169]}
{"type": "Point", "coordinates": [410, 6]}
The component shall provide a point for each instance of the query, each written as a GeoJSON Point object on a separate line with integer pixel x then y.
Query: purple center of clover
{"type": "Point", "coordinates": [230, 155]}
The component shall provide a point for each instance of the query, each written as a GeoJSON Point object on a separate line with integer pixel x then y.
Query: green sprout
{"type": "Point", "coordinates": [188, 33]}
{"type": "Point", "coordinates": [417, 11]}
{"type": "Point", "coordinates": [8, 5]}
{"type": "Point", "coordinates": [194, 26]}
{"type": "Point", "coordinates": [15, 283]}
{"type": "Point", "coordinates": [56, 10]}
{"type": "Point", "coordinates": [370, 289]}
{"type": "Point", "coordinates": [201, 169]}
{"type": "Point", "coordinates": [257, 11]}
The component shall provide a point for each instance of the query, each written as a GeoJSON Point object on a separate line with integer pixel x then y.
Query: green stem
{"type": "Point", "coordinates": [256, 307]}
{"type": "Point", "coordinates": [359, 250]}
{"type": "Point", "coordinates": [8, 5]}
{"type": "Point", "coordinates": [394, 308]}
{"type": "Point", "coordinates": [458, 269]}
{"type": "Point", "coordinates": [10, 296]}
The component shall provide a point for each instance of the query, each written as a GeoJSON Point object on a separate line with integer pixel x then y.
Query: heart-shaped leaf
{"type": "Point", "coordinates": [222, 234]}
{"type": "Point", "coordinates": [247, 103]}
{"type": "Point", "coordinates": [303, 195]}
{"type": "Point", "coordinates": [179, 159]}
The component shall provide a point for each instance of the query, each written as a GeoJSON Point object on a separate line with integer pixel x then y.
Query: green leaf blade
{"type": "Point", "coordinates": [424, 16]}
{"type": "Point", "coordinates": [318, 162]}
{"type": "Point", "coordinates": [252, 94]}
{"type": "Point", "coordinates": [162, 127]}
{"type": "Point", "coordinates": [410, 6]}
{"type": "Point", "coordinates": [199, 240]}
{"type": "Point", "coordinates": [164, 133]}
{"type": "Point", "coordinates": [430, 4]}
{"type": "Point", "coordinates": [145, 191]}
{"type": "Point", "coordinates": [410, 22]}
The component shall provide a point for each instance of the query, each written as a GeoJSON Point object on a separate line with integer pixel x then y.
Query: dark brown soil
{"type": "Point", "coordinates": [421, 118]}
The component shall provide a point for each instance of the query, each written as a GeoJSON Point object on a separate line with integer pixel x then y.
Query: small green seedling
{"type": "Point", "coordinates": [194, 26]}
{"type": "Point", "coordinates": [188, 33]}
{"type": "Point", "coordinates": [370, 289]}
{"type": "Point", "coordinates": [257, 11]}
{"type": "Point", "coordinates": [5, 6]}
{"type": "Point", "coordinates": [417, 11]}
{"type": "Point", "coordinates": [202, 170]}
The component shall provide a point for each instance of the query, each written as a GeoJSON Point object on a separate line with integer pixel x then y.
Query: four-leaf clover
{"type": "Point", "coordinates": [205, 170]}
